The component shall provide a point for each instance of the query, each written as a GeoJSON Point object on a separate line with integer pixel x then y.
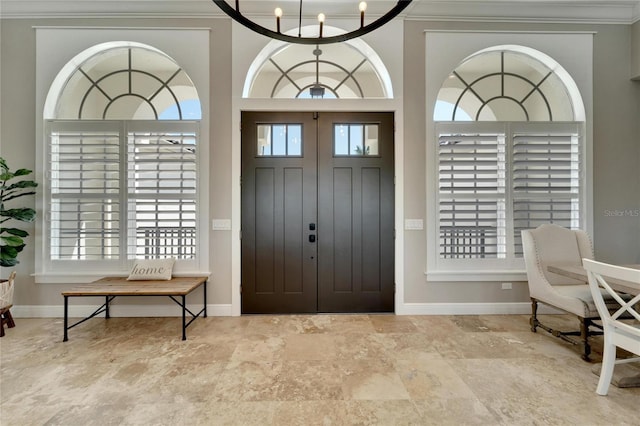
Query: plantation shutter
{"type": "Point", "coordinates": [84, 175]}
{"type": "Point", "coordinates": [122, 189]}
{"type": "Point", "coordinates": [546, 181]}
{"type": "Point", "coordinates": [162, 194]}
{"type": "Point", "coordinates": [471, 202]}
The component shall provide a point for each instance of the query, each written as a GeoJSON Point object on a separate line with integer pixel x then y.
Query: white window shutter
{"type": "Point", "coordinates": [471, 195]}
{"type": "Point", "coordinates": [121, 190]}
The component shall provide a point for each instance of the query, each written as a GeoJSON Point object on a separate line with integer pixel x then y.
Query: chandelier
{"type": "Point", "coordinates": [237, 15]}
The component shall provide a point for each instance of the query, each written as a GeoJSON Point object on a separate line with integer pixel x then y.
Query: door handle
{"type": "Point", "coordinates": [312, 238]}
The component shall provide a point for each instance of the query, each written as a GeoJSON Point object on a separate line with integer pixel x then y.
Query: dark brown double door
{"type": "Point", "coordinates": [317, 212]}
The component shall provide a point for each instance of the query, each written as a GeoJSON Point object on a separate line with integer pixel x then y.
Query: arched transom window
{"type": "Point", "coordinates": [507, 84]}
{"type": "Point", "coordinates": [350, 70]}
{"type": "Point", "coordinates": [131, 82]}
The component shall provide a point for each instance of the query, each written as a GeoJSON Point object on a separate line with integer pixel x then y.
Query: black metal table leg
{"type": "Point", "coordinates": [205, 299]}
{"type": "Point", "coordinates": [106, 307]}
{"type": "Point", "coordinates": [184, 318]}
{"type": "Point", "coordinates": [66, 317]}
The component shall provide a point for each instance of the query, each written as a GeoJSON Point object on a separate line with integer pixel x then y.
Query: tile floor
{"type": "Point", "coordinates": [302, 370]}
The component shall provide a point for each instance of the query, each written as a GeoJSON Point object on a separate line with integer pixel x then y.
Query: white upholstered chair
{"type": "Point", "coordinates": [617, 332]}
{"type": "Point", "coordinates": [552, 244]}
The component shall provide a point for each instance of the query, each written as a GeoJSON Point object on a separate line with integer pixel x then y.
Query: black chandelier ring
{"type": "Point", "coordinates": [236, 15]}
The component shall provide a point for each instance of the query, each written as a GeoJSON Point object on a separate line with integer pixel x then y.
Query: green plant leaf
{"type": "Point", "coordinates": [6, 263]}
{"type": "Point", "coordinates": [22, 184]}
{"type": "Point", "coordinates": [23, 214]}
{"type": "Point", "coordinates": [11, 196]}
{"type": "Point", "coordinates": [22, 172]}
{"type": "Point", "coordinates": [8, 256]}
{"type": "Point", "coordinates": [7, 252]}
{"type": "Point", "coordinates": [14, 231]}
{"type": "Point", "coordinates": [13, 241]}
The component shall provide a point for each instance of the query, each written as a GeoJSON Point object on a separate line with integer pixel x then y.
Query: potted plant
{"type": "Point", "coordinates": [11, 238]}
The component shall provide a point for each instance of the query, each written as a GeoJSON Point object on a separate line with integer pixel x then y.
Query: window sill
{"type": "Point", "coordinates": [473, 276]}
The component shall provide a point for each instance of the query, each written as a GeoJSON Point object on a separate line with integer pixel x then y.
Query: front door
{"type": "Point", "coordinates": [317, 212]}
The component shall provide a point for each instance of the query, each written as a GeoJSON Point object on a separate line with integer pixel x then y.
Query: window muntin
{"type": "Point", "coordinates": [506, 86]}
{"type": "Point", "coordinates": [279, 140]}
{"type": "Point", "coordinates": [350, 70]}
{"type": "Point", "coordinates": [355, 140]}
{"type": "Point", "coordinates": [124, 83]}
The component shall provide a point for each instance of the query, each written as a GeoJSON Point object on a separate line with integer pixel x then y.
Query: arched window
{"type": "Point", "coordinates": [350, 70]}
{"type": "Point", "coordinates": [122, 125]}
{"type": "Point", "coordinates": [509, 126]}
{"type": "Point", "coordinates": [510, 83]}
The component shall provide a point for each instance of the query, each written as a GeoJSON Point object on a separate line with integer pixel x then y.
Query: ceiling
{"type": "Point", "coordinates": [566, 11]}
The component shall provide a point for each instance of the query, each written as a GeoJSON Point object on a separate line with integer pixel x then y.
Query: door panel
{"type": "Point", "coordinates": [278, 202]}
{"type": "Point", "coordinates": [317, 219]}
{"type": "Point", "coordinates": [355, 215]}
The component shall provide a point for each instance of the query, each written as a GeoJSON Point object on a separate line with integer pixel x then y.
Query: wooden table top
{"type": "Point", "coordinates": [579, 273]}
{"type": "Point", "coordinates": [119, 286]}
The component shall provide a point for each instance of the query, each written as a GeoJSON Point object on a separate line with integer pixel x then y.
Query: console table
{"type": "Point", "coordinates": [111, 287]}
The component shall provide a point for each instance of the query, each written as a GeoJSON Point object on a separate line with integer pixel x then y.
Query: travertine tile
{"type": "Point", "coordinates": [303, 370]}
{"type": "Point", "coordinates": [310, 380]}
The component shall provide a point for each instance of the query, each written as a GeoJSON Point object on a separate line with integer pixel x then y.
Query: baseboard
{"type": "Point", "coordinates": [116, 310]}
{"type": "Point", "coordinates": [516, 308]}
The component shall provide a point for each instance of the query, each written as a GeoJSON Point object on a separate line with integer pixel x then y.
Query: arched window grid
{"type": "Point", "coordinates": [97, 84]}
{"type": "Point", "coordinates": [535, 88]}
{"type": "Point", "coordinates": [286, 74]}
{"type": "Point", "coordinates": [362, 73]}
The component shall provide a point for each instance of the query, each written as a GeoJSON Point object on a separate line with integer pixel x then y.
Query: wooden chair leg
{"type": "Point", "coordinates": [9, 319]}
{"type": "Point", "coordinates": [6, 318]}
{"type": "Point", "coordinates": [534, 315]}
{"type": "Point", "coordinates": [584, 338]}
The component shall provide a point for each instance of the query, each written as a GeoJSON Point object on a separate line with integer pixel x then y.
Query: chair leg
{"type": "Point", "coordinates": [584, 338]}
{"type": "Point", "coordinates": [533, 321]}
{"type": "Point", "coordinates": [9, 318]}
{"type": "Point", "coordinates": [608, 363]}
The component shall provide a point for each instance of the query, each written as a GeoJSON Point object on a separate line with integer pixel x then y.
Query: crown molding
{"type": "Point", "coordinates": [540, 11]}
{"type": "Point", "coordinates": [544, 11]}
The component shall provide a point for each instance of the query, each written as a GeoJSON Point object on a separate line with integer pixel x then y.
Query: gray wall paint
{"type": "Point", "coordinates": [616, 147]}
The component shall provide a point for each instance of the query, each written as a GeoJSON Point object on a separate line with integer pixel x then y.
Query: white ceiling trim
{"type": "Point", "coordinates": [564, 11]}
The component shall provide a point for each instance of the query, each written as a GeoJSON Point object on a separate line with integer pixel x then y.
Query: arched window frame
{"type": "Point", "coordinates": [72, 40]}
{"type": "Point", "coordinates": [369, 56]}
{"type": "Point", "coordinates": [509, 265]}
